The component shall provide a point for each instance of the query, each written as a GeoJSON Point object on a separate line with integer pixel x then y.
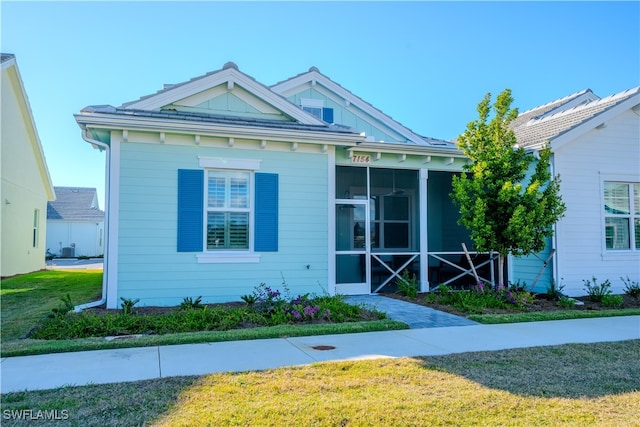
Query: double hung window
{"type": "Point", "coordinates": [228, 210]}
{"type": "Point", "coordinates": [622, 215]}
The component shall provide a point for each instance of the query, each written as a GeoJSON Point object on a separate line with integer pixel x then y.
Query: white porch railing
{"type": "Point", "coordinates": [461, 271]}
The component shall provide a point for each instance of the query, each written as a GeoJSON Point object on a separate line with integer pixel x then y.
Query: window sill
{"type": "Point", "coordinates": [228, 258]}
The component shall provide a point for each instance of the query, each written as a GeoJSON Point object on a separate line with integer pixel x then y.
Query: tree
{"type": "Point", "coordinates": [505, 210]}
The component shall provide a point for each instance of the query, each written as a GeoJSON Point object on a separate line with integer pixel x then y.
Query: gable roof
{"type": "Point", "coordinates": [229, 75]}
{"type": "Point", "coordinates": [571, 122]}
{"type": "Point", "coordinates": [314, 76]}
{"type": "Point", "coordinates": [75, 204]}
{"type": "Point", "coordinates": [10, 70]}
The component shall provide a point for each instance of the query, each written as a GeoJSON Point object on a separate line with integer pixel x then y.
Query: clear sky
{"type": "Point", "coordinates": [426, 64]}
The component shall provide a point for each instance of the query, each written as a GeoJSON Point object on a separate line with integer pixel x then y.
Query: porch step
{"type": "Point", "coordinates": [414, 315]}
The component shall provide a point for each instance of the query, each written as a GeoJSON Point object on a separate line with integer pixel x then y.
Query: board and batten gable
{"type": "Point", "coordinates": [608, 153]}
{"type": "Point", "coordinates": [149, 264]}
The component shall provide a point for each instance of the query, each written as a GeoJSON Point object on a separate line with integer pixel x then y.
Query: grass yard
{"type": "Point", "coordinates": [29, 298]}
{"type": "Point", "coordinates": [569, 385]}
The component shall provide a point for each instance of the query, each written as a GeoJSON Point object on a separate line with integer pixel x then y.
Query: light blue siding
{"type": "Point", "coordinates": [347, 117]}
{"type": "Point", "coordinates": [526, 268]}
{"type": "Point", "coordinates": [149, 266]}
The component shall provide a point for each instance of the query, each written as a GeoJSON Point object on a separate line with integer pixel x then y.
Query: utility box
{"type": "Point", "coordinates": [68, 252]}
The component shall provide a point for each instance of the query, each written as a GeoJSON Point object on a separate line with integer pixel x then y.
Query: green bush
{"type": "Point", "coordinates": [631, 287]}
{"type": "Point", "coordinates": [612, 301]}
{"type": "Point", "coordinates": [271, 308]}
{"type": "Point", "coordinates": [408, 285]}
{"type": "Point", "coordinates": [566, 302]}
{"type": "Point", "coordinates": [597, 291]}
{"type": "Point", "coordinates": [481, 297]}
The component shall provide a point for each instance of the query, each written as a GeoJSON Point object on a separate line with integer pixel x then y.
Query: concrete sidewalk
{"type": "Point", "coordinates": [134, 364]}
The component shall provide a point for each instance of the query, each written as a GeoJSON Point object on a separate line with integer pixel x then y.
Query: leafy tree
{"type": "Point", "coordinates": [505, 210]}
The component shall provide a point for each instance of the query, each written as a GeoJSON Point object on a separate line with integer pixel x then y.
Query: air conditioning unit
{"type": "Point", "coordinates": [68, 252]}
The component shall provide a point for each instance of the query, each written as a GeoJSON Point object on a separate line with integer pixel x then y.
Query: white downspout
{"type": "Point", "coordinates": [105, 271]}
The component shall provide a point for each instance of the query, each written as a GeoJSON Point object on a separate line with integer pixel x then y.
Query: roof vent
{"type": "Point", "coordinates": [230, 64]}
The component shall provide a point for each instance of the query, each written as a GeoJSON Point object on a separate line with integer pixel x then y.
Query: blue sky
{"type": "Point", "coordinates": [426, 64]}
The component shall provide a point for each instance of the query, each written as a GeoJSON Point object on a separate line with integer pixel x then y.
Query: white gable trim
{"type": "Point", "coordinates": [289, 87]}
{"type": "Point", "coordinates": [229, 76]}
{"type": "Point", "coordinates": [594, 122]}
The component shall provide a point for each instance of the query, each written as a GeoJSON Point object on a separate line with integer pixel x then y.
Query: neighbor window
{"type": "Point", "coordinates": [228, 208]}
{"type": "Point", "coordinates": [36, 219]}
{"type": "Point", "coordinates": [622, 215]}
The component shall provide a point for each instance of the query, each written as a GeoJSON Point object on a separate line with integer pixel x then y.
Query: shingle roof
{"type": "Point", "coordinates": [75, 204]}
{"type": "Point", "coordinates": [6, 57]}
{"type": "Point", "coordinates": [536, 112]}
{"type": "Point", "coordinates": [536, 131]}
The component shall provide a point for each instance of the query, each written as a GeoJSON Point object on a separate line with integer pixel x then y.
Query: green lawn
{"type": "Point", "coordinates": [29, 298]}
{"type": "Point", "coordinates": [568, 385]}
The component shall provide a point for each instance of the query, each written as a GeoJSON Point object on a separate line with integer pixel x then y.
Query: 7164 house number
{"type": "Point", "coordinates": [361, 158]}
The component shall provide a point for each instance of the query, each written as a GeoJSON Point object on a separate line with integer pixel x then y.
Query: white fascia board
{"type": "Point", "coordinates": [170, 96]}
{"type": "Point", "coordinates": [107, 122]}
{"type": "Point", "coordinates": [300, 80]}
{"type": "Point", "coordinates": [408, 149]}
{"type": "Point", "coordinates": [593, 122]}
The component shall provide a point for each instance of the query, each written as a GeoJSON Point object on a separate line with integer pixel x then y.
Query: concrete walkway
{"type": "Point", "coordinates": [134, 364]}
{"type": "Point", "coordinates": [414, 315]}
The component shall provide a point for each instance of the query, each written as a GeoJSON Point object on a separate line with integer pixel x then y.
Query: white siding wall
{"type": "Point", "coordinates": [610, 153]}
{"type": "Point", "coordinates": [88, 237]}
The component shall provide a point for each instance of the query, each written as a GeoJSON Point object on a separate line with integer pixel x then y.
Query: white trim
{"type": "Point", "coordinates": [423, 220]}
{"type": "Point", "coordinates": [222, 163]}
{"type": "Point", "coordinates": [113, 187]}
{"type": "Point", "coordinates": [293, 83]}
{"type": "Point", "coordinates": [228, 257]}
{"type": "Point", "coordinates": [331, 223]}
{"type": "Point", "coordinates": [312, 103]}
{"type": "Point", "coordinates": [212, 80]}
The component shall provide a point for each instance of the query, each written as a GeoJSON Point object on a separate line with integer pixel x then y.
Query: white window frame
{"type": "Point", "coordinates": [631, 217]}
{"type": "Point", "coordinates": [311, 105]}
{"type": "Point", "coordinates": [36, 227]}
{"type": "Point", "coordinates": [229, 255]}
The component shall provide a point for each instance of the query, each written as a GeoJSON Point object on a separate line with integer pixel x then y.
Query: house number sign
{"type": "Point", "coordinates": [361, 158]}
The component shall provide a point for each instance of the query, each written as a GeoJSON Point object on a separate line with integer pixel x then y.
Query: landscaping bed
{"type": "Point", "coordinates": [539, 303]}
{"type": "Point", "coordinates": [265, 307]}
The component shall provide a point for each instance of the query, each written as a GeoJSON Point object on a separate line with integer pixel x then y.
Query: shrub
{"type": "Point", "coordinates": [408, 285]}
{"type": "Point", "coordinates": [554, 291]}
{"type": "Point", "coordinates": [271, 308]}
{"type": "Point", "coordinates": [190, 304]}
{"type": "Point", "coordinates": [566, 302]}
{"type": "Point", "coordinates": [127, 304]}
{"type": "Point", "coordinates": [631, 288]}
{"type": "Point", "coordinates": [597, 291]}
{"type": "Point", "coordinates": [612, 301]}
{"type": "Point", "coordinates": [66, 307]}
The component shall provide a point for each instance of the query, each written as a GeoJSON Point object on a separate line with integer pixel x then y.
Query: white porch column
{"type": "Point", "coordinates": [424, 258]}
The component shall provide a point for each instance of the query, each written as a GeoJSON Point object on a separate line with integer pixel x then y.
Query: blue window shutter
{"type": "Point", "coordinates": [190, 209]}
{"type": "Point", "coordinates": [327, 115]}
{"type": "Point", "coordinates": [266, 212]}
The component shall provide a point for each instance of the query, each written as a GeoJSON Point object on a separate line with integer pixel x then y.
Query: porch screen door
{"type": "Point", "coordinates": [353, 263]}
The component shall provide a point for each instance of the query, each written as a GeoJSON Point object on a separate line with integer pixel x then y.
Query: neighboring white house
{"type": "Point", "coordinates": [75, 223]}
{"type": "Point", "coordinates": [25, 182]}
{"type": "Point", "coordinates": [596, 151]}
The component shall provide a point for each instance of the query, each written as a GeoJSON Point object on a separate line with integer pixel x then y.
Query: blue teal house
{"type": "Point", "coordinates": [220, 183]}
